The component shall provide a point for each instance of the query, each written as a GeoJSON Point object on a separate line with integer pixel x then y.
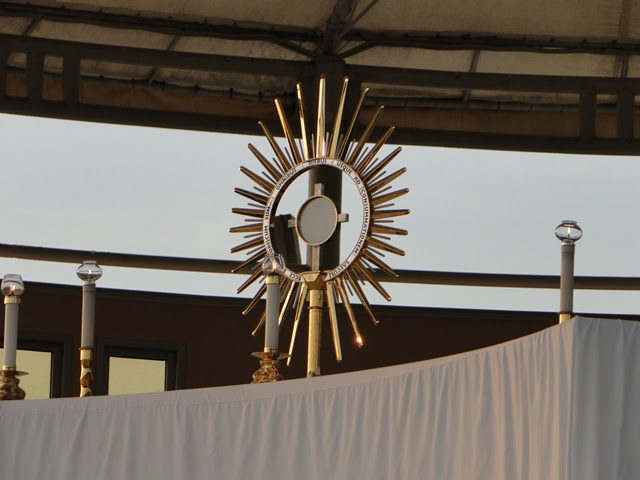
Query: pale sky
{"type": "Point", "coordinates": [169, 192]}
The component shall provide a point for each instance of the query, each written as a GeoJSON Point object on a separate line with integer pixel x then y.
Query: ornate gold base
{"type": "Point", "coordinates": [10, 385]}
{"type": "Point", "coordinates": [268, 371]}
{"type": "Point", "coordinates": [86, 371]}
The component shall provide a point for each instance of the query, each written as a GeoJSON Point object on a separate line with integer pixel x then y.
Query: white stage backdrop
{"type": "Point", "coordinates": [559, 404]}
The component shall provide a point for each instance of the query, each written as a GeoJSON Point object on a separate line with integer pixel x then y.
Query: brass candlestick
{"type": "Point", "coordinates": [86, 371]}
{"type": "Point", "coordinates": [268, 371]}
{"type": "Point", "coordinates": [10, 384]}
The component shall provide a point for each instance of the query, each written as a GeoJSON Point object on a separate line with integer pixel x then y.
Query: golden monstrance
{"type": "Point", "coordinates": [317, 220]}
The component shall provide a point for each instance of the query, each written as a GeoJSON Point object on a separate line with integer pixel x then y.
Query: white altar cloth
{"type": "Point", "coordinates": [558, 404]}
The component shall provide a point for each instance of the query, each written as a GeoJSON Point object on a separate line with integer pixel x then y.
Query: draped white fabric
{"type": "Point", "coordinates": [558, 404]}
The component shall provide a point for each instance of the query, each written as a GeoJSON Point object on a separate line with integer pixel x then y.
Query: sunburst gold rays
{"type": "Point", "coordinates": [378, 185]}
{"type": "Point", "coordinates": [289, 298]}
{"type": "Point", "coordinates": [377, 166]}
{"type": "Point", "coordinates": [334, 292]}
{"type": "Point", "coordinates": [350, 277]}
{"type": "Point", "coordinates": [261, 181]}
{"type": "Point", "coordinates": [375, 260]}
{"type": "Point", "coordinates": [379, 244]}
{"type": "Point", "coordinates": [387, 197]}
{"type": "Point", "coordinates": [360, 165]}
{"type": "Point", "coordinates": [287, 132]}
{"type": "Point", "coordinates": [249, 227]}
{"type": "Point", "coordinates": [251, 260]}
{"type": "Point", "coordinates": [248, 212]}
{"type": "Point", "coordinates": [381, 214]}
{"type": "Point", "coordinates": [320, 126]}
{"type": "Point", "coordinates": [333, 317]}
{"type": "Point", "coordinates": [363, 138]}
{"type": "Point", "coordinates": [256, 197]}
{"type": "Point", "coordinates": [347, 305]}
{"type": "Point", "coordinates": [335, 136]}
{"type": "Point", "coordinates": [254, 242]}
{"type": "Point", "coordinates": [306, 149]}
{"type": "Point", "coordinates": [301, 300]}
{"type": "Point", "coordinates": [347, 136]}
{"type": "Point", "coordinates": [287, 287]}
{"type": "Point", "coordinates": [280, 156]}
{"type": "Point", "coordinates": [366, 168]}
{"type": "Point", "coordinates": [255, 275]}
{"type": "Point", "coordinates": [274, 169]}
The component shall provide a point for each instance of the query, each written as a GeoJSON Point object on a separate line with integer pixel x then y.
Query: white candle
{"type": "Point", "coordinates": [272, 314]}
{"type": "Point", "coordinates": [10, 333]}
{"type": "Point", "coordinates": [88, 314]}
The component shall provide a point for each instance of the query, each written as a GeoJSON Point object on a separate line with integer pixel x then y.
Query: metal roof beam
{"type": "Point", "coordinates": [163, 58]}
{"type": "Point", "coordinates": [341, 16]}
{"type": "Point", "coordinates": [497, 280]}
{"type": "Point", "coordinates": [460, 41]}
{"type": "Point", "coordinates": [301, 69]}
{"type": "Point", "coordinates": [489, 81]}
{"type": "Point", "coordinates": [138, 116]}
{"type": "Point", "coordinates": [507, 141]}
{"type": "Point", "coordinates": [170, 47]}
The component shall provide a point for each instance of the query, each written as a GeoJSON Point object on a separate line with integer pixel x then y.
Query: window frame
{"type": "Point", "coordinates": [59, 346]}
{"type": "Point", "coordinates": [172, 354]}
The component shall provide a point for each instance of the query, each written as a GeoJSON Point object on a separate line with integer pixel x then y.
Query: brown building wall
{"type": "Point", "coordinates": [215, 342]}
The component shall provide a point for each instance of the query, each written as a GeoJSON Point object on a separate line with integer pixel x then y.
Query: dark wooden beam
{"type": "Point", "coordinates": [35, 75]}
{"type": "Point", "coordinates": [4, 56]}
{"type": "Point", "coordinates": [249, 125]}
{"type": "Point", "coordinates": [303, 69]}
{"type": "Point", "coordinates": [587, 115]}
{"type": "Point", "coordinates": [138, 117]}
{"type": "Point", "coordinates": [163, 58]}
{"type": "Point", "coordinates": [501, 141]}
{"type": "Point", "coordinates": [490, 81]}
{"type": "Point", "coordinates": [71, 79]}
{"type": "Point", "coordinates": [626, 105]}
{"type": "Point", "coordinates": [497, 280]}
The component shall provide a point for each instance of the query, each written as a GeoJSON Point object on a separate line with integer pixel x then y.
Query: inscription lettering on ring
{"type": "Point", "coordinates": [277, 192]}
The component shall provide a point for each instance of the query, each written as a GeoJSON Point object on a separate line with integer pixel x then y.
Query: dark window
{"type": "Point", "coordinates": [44, 361]}
{"type": "Point", "coordinates": [138, 367]}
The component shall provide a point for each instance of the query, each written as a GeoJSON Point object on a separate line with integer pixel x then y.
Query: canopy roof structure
{"type": "Point", "coordinates": [541, 76]}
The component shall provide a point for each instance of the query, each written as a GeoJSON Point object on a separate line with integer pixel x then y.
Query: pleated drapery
{"type": "Point", "coordinates": [559, 404]}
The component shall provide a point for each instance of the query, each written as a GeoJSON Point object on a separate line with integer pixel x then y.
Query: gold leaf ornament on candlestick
{"type": "Point", "coordinates": [318, 218]}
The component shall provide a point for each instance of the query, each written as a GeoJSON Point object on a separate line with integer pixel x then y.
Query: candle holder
{"type": "Point", "coordinates": [568, 232]}
{"type": "Point", "coordinates": [12, 288]}
{"type": "Point", "coordinates": [86, 371]}
{"type": "Point", "coordinates": [89, 272]}
{"type": "Point", "coordinates": [268, 371]}
{"type": "Point", "coordinates": [272, 267]}
{"type": "Point", "coordinates": [10, 384]}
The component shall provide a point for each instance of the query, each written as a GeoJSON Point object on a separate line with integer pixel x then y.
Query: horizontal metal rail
{"type": "Point", "coordinates": [129, 260]}
{"type": "Point", "coordinates": [160, 111]}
